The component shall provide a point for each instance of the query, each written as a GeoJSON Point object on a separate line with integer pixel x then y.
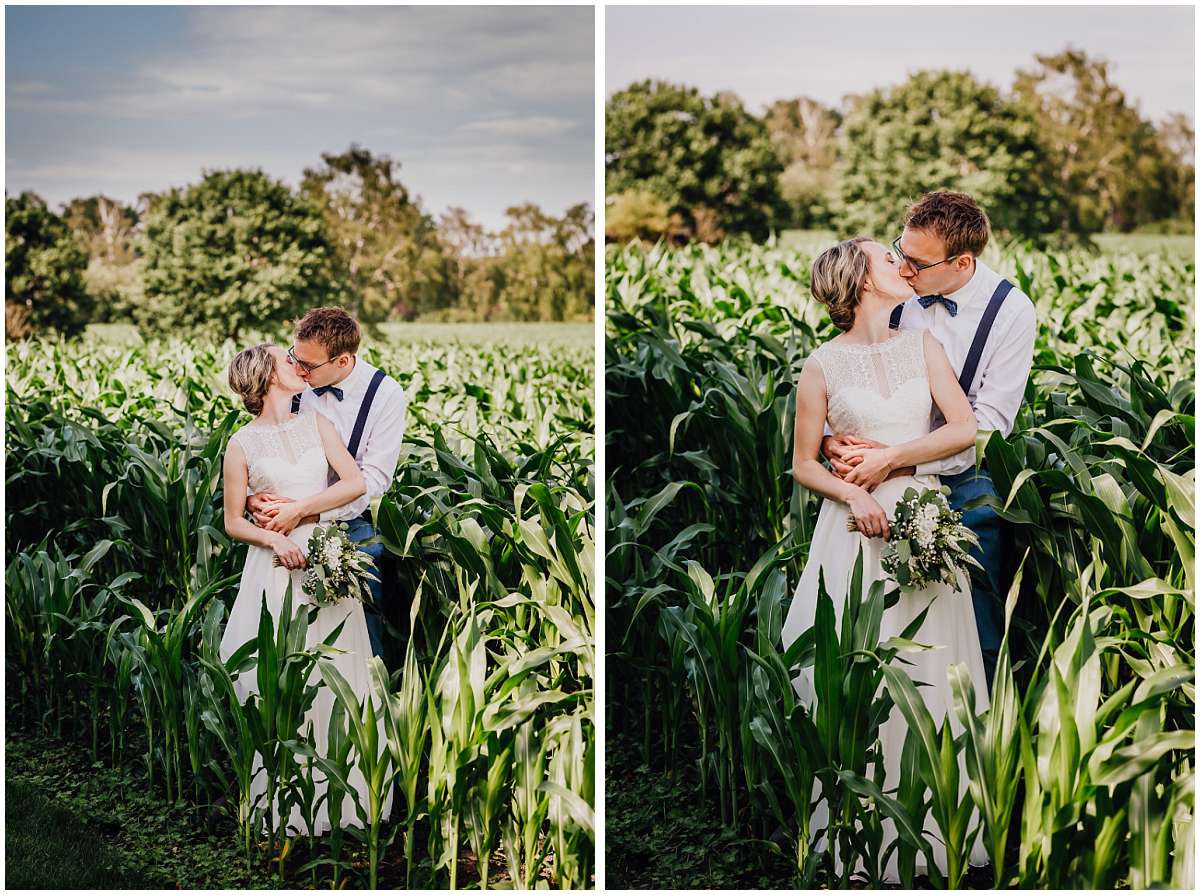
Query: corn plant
{"type": "Point", "coordinates": [490, 509]}
{"type": "Point", "coordinates": [1096, 483]}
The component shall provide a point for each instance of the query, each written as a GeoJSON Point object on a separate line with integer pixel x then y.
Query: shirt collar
{"type": "Point", "coordinates": [358, 378]}
{"type": "Point", "coordinates": [982, 281]}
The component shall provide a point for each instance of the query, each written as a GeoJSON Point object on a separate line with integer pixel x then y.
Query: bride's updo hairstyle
{"type": "Point", "coordinates": [250, 376]}
{"type": "Point", "coordinates": [838, 277]}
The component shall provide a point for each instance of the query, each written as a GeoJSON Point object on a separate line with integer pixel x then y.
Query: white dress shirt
{"type": "Point", "coordinates": [379, 447]}
{"type": "Point", "coordinates": [1004, 366]}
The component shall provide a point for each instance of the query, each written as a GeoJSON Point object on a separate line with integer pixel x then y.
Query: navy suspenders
{"type": "Point", "coordinates": [981, 335]}
{"type": "Point", "coordinates": [971, 365]}
{"type": "Point", "coordinates": [363, 411]}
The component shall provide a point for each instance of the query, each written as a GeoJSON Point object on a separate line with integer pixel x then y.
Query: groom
{"type": "Point", "coordinates": [987, 327]}
{"type": "Point", "coordinates": [368, 409]}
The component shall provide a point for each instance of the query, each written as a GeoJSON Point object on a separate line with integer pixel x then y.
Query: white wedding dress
{"type": "Point", "coordinates": [881, 392]}
{"type": "Point", "coordinates": [289, 460]}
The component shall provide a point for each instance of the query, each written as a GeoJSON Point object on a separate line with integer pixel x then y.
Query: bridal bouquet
{"type": "Point", "coordinates": [928, 542]}
{"type": "Point", "coordinates": [337, 570]}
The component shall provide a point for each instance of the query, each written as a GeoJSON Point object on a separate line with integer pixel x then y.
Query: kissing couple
{"type": "Point", "coordinates": [324, 441]}
{"type": "Point", "coordinates": [935, 346]}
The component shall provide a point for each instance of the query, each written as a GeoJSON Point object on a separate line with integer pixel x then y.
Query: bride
{"type": "Point", "coordinates": [290, 455]}
{"type": "Point", "coordinates": [879, 384]}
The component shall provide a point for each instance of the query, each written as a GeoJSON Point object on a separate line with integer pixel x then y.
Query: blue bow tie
{"type": "Point", "coordinates": [337, 392]}
{"type": "Point", "coordinates": [951, 304]}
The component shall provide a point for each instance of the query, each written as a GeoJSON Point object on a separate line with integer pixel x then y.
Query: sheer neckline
{"type": "Point", "coordinates": [272, 427]}
{"type": "Point", "coordinates": [867, 347]}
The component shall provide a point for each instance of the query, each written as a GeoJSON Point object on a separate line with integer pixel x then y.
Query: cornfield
{"type": "Point", "coordinates": [1082, 769]}
{"type": "Point", "coordinates": [119, 578]}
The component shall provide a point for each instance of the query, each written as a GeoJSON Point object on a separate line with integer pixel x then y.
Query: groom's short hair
{"type": "Point", "coordinates": [955, 218]}
{"type": "Point", "coordinates": [332, 328]}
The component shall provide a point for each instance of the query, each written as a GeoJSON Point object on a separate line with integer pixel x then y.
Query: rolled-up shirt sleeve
{"type": "Point", "coordinates": [380, 455]}
{"type": "Point", "coordinates": [1001, 390]}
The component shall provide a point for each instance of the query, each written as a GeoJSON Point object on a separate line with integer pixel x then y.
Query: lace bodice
{"type": "Point", "coordinates": [287, 459]}
{"type": "Point", "coordinates": [878, 391]}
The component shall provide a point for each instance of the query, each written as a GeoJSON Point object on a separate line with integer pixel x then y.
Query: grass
{"type": "Point", "coordinates": [41, 847]}
{"type": "Point", "coordinates": [658, 835]}
{"type": "Point", "coordinates": [1094, 736]}
{"type": "Point", "coordinates": [486, 333]}
{"type": "Point", "coordinates": [56, 799]}
{"type": "Point", "coordinates": [1176, 245]}
{"type": "Point", "coordinates": [489, 523]}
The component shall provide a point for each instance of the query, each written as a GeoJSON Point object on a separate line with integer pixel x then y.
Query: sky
{"type": "Point", "coordinates": [768, 53]}
{"type": "Point", "coordinates": [484, 107]}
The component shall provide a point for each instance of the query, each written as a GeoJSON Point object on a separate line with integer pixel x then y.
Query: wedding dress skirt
{"type": "Point", "coordinates": [289, 460]}
{"type": "Point", "coordinates": [881, 392]}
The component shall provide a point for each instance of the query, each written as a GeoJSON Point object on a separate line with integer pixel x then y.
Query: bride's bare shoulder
{"type": "Point", "coordinates": [812, 374]}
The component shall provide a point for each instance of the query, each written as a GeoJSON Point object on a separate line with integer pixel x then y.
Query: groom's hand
{"type": "Point", "coordinates": [256, 504]}
{"type": "Point", "coordinates": [264, 507]}
{"type": "Point", "coordinates": [834, 447]}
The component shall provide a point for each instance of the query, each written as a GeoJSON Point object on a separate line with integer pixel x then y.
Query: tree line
{"type": "Point", "coordinates": [240, 249]}
{"type": "Point", "coordinates": [1062, 152]}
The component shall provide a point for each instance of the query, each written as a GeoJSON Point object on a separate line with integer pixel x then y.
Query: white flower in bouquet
{"type": "Point", "coordinates": [926, 525]}
{"type": "Point", "coordinates": [333, 552]}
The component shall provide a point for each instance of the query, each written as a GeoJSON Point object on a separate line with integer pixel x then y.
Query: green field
{"type": "Point", "coordinates": [1082, 769]}
{"type": "Point", "coordinates": [572, 334]}
{"type": "Point", "coordinates": [119, 578]}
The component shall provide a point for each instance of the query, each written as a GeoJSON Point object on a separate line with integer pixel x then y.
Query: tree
{"type": "Point", "coordinates": [237, 250]}
{"type": "Point", "coordinates": [636, 214]}
{"type": "Point", "coordinates": [1178, 139]}
{"type": "Point", "coordinates": [472, 251]}
{"type": "Point", "coordinates": [545, 266]}
{"type": "Point", "coordinates": [387, 246]}
{"type": "Point", "coordinates": [803, 133]}
{"type": "Point", "coordinates": [1109, 160]}
{"type": "Point", "coordinates": [943, 130]}
{"type": "Point", "coordinates": [43, 270]}
{"type": "Point", "coordinates": [707, 157]}
{"type": "Point", "coordinates": [104, 228]}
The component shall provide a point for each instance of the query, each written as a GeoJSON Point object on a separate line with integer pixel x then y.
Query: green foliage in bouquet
{"type": "Point", "coordinates": [337, 569]}
{"type": "Point", "coordinates": [928, 541]}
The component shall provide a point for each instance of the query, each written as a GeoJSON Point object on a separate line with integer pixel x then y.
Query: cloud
{"type": "Point", "coordinates": [488, 102]}
{"type": "Point", "coordinates": [29, 88]}
{"type": "Point", "coordinates": [247, 61]}
{"type": "Point", "coordinates": [529, 127]}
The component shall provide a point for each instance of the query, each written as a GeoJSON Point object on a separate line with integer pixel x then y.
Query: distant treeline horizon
{"type": "Point", "coordinates": [239, 247]}
{"type": "Point", "coordinates": [1063, 152]}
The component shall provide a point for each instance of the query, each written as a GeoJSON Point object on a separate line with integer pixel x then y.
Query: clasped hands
{"type": "Point", "coordinates": [860, 461]}
{"type": "Point", "coordinates": [277, 513]}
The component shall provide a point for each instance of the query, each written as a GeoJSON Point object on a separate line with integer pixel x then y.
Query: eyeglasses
{"type": "Point", "coordinates": [305, 365]}
{"type": "Point", "coordinates": [904, 259]}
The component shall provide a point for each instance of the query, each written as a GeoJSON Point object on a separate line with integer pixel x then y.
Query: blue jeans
{"type": "Point", "coordinates": [987, 590]}
{"type": "Point", "coordinates": [359, 529]}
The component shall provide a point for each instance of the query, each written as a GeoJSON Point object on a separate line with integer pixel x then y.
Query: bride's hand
{"type": "Point", "coordinates": [838, 449]}
{"type": "Point", "coordinates": [286, 515]}
{"type": "Point", "coordinates": [869, 515]}
{"type": "Point", "coordinates": [873, 467]}
{"type": "Point", "coordinates": [257, 505]}
{"type": "Point", "coordinates": [290, 555]}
